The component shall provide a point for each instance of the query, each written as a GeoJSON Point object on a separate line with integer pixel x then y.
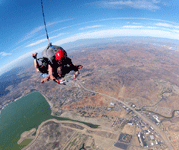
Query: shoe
{"type": "Point", "coordinates": [63, 81]}
{"type": "Point", "coordinates": [76, 74]}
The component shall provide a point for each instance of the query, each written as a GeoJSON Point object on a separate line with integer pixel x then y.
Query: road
{"type": "Point", "coordinates": [159, 131]}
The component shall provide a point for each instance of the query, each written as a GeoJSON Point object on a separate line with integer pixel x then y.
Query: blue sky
{"type": "Point", "coordinates": [23, 32]}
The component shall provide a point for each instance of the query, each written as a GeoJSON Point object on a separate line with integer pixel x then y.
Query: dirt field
{"type": "Point", "coordinates": [172, 131]}
{"type": "Point", "coordinates": [27, 135]}
{"type": "Point", "coordinates": [129, 129]}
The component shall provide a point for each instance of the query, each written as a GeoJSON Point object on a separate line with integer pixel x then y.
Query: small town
{"type": "Point", "coordinates": [147, 136]}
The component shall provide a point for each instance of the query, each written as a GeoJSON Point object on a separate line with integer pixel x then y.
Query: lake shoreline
{"type": "Point", "coordinates": [16, 99]}
{"type": "Point", "coordinates": [50, 104]}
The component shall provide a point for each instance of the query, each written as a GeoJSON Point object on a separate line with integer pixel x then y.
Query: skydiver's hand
{"type": "Point", "coordinates": [80, 67]}
{"type": "Point", "coordinates": [34, 55]}
{"type": "Point", "coordinates": [45, 79]}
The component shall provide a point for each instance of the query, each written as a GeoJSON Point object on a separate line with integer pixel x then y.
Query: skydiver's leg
{"type": "Point", "coordinates": [76, 69]}
{"type": "Point", "coordinates": [45, 77]}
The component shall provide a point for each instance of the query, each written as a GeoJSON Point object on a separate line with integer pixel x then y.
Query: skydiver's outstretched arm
{"type": "Point", "coordinates": [72, 66]}
{"type": "Point", "coordinates": [36, 64]}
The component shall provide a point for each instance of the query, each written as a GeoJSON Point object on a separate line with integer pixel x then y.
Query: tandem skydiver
{"type": "Point", "coordinates": [58, 63]}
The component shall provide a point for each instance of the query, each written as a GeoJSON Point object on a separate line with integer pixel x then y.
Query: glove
{"type": "Point", "coordinates": [34, 55]}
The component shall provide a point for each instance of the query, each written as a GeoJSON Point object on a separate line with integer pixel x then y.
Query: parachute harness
{"type": "Point", "coordinates": [44, 22]}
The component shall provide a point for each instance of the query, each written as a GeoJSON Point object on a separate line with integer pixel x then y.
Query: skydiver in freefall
{"type": "Point", "coordinates": [59, 64]}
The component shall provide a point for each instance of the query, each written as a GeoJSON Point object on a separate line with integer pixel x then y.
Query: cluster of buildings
{"type": "Point", "coordinates": [146, 135]}
{"type": "Point", "coordinates": [154, 118]}
{"type": "Point", "coordinates": [148, 139]}
{"type": "Point", "coordinates": [142, 140]}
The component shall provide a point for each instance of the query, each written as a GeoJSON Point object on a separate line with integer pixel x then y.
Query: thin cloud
{"type": "Point", "coordinates": [43, 40]}
{"type": "Point", "coordinates": [177, 31]}
{"type": "Point", "coordinates": [166, 25]}
{"type": "Point", "coordinates": [32, 33]}
{"type": "Point", "coordinates": [38, 29]}
{"type": "Point", "coordinates": [90, 27]}
{"type": "Point", "coordinates": [136, 4]}
{"type": "Point", "coordinates": [138, 27]}
{"type": "Point", "coordinates": [4, 54]}
{"type": "Point", "coordinates": [36, 43]}
{"type": "Point", "coordinates": [136, 23]}
{"type": "Point", "coordinates": [135, 18]}
{"type": "Point", "coordinates": [60, 34]}
{"type": "Point", "coordinates": [130, 26]}
{"type": "Point", "coordinates": [56, 22]}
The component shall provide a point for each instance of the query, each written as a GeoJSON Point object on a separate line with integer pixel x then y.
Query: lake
{"type": "Point", "coordinates": [22, 115]}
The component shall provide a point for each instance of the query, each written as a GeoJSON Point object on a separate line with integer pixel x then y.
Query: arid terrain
{"type": "Point", "coordinates": [141, 75]}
